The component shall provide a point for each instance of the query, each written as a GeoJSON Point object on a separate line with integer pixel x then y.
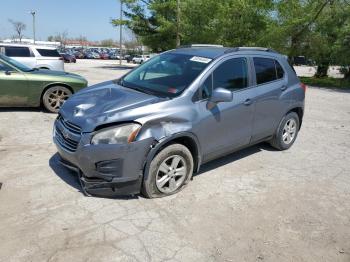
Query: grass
{"type": "Point", "coordinates": [328, 82]}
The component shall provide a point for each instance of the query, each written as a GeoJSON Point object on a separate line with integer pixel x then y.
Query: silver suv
{"type": "Point", "coordinates": [150, 130]}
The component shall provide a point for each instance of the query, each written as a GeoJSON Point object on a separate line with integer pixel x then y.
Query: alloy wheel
{"type": "Point", "coordinates": [289, 131]}
{"type": "Point", "coordinates": [171, 174]}
{"type": "Point", "coordinates": [56, 98]}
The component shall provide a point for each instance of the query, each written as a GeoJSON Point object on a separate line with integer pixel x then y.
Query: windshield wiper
{"type": "Point", "coordinates": [148, 92]}
{"type": "Point", "coordinates": [139, 89]}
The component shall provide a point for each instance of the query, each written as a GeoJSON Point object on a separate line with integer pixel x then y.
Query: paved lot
{"type": "Point", "coordinates": [254, 205]}
{"type": "Point", "coordinates": [97, 71]}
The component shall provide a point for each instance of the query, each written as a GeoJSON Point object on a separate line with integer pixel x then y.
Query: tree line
{"type": "Point", "coordinates": [317, 29]}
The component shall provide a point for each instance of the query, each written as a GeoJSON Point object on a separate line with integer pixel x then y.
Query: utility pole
{"type": "Point", "coordinates": [33, 14]}
{"type": "Point", "coordinates": [120, 32]}
{"type": "Point", "coordinates": [177, 23]}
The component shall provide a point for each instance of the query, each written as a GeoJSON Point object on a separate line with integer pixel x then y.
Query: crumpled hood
{"type": "Point", "coordinates": [104, 103]}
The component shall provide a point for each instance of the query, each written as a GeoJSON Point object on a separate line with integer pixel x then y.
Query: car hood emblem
{"type": "Point", "coordinates": [65, 134]}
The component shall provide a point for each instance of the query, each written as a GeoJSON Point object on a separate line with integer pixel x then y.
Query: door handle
{"type": "Point", "coordinates": [248, 102]}
{"type": "Point", "coordinates": [284, 87]}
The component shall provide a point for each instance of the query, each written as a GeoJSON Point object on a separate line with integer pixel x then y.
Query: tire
{"type": "Point", "coordinates": [54, 97]}
{"type": "Point", "coordinates": [284, 139]}
{"type": "Point", "coordinates": [173, 181]}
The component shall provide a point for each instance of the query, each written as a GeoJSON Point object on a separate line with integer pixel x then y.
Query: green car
{"type": "Point", "coordinates": [21, 86]}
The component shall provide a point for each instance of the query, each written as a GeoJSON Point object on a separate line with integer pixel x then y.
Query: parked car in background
{"type": "Point", "coordinates": [129, 58]}
{"type": "Point", "coordinates": [139, 59]}
{"type": "Point", "coordinates": [79, 55]}
{"type": "Point", "coordinates": [34, 56]}
{"type": "Point", "coordinates": [68, 58]}
{"type": "Point", "coordinates": [299, 60]}
{"type": "Point", "coordinates": [93, 55]}
{"type": "Point", "coordinates": [114, 56]}
{"type": "Point", "coordinates": [21, 86]}
{"type": "Point", "coordinates": [151, 129]}
{"type": "Point", "coordinates": [104, 56]}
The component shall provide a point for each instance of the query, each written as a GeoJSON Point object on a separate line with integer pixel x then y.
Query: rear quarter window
{"type": "Point", "coordinates": [17, 51]}
{"type": "Point", "coordinates": [48, 52]}
{"type": "Point", "coordinates": [279, 70]}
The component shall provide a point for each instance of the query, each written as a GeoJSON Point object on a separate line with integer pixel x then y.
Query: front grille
{"type": "Point", "coordinates": [67, 134]}
{"type": "Point", "coordinates": [68, 125]}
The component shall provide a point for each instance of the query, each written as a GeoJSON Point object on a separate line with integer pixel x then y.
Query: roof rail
{"type": "Point", "coordinates": [247, 48]}
{"type": "Point", "coordinates": [199, 45]}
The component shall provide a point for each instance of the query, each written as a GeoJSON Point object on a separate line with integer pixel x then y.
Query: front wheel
{"type": "Point", "coordinates": [54, 97]}
{"type": "Point", "coordinates": [169, 171]}
{"type": "Point", "coordinates": [287, 132]}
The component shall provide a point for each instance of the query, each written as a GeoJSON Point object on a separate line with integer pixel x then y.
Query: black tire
{"type": "Point", "coordinates": [149, 187]}
{"type": "Point", "coordinates": [58, 94]}
{"type": "Point", "coordinates": [278, 141]}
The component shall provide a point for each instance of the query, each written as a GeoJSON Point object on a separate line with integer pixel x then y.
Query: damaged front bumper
{"type": "Point", "coordinates": [101, 187]}
{"type": "Point", "coordinates": [103, 170]}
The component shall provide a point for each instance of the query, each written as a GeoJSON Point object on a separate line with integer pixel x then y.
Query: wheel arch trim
{"type": "Point", "coordinates": [177, 137]}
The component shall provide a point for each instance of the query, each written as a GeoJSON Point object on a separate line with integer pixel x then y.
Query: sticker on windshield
{"type": "Point", "coordinates": [200, 59]}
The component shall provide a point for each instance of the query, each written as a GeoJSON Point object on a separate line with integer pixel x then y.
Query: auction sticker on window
{"type": "Point", "coordinates": [200, 59]}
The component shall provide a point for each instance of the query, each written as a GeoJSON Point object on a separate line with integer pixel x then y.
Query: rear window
{"type": "Point", "coordinates": [48, 52]}
{"type": "Point", "coordinates": [17, 51]}
{"type": "Point", "coordinates": [267, 70]}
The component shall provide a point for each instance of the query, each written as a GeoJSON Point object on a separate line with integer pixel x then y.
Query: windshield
{"type": "Point", "coordinates": [166, 75]}
{"type": "Point", "coordinates": [15, 64]}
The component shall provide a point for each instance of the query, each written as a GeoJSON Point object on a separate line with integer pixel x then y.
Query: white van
{"type": "Point", "coordinates": [34, 56]}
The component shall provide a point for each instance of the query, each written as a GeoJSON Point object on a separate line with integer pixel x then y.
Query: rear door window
{"type": "Point", "coordinates": [17, 51]}
{"type": "Point", "coordinates": [48, 52]}
{"type": "Point", "coordinates": [267, 70]}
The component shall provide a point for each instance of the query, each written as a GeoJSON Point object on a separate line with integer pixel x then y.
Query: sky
{"type": "Point", "coordinates": [89, 18]}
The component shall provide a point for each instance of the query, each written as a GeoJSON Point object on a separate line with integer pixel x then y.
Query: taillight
{"type": "Point", "coordinates": [303, 86]}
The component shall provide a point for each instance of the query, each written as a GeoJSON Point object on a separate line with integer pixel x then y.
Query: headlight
{"type": "Point", "coordinates": [117, 135]}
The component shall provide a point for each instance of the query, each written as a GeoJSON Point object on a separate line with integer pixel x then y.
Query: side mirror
{"type": "Point", "coordinates": [7, 73]}
{"type": "Point", "coordinates": [221, 95]}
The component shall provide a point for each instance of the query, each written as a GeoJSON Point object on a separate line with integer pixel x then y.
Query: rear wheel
{"type": "Point", "coordinates": [169, 171]}
{"type": "Point", "coordinates": [54, 97]}
{"type": "Point", "coordinates": [287, 132]}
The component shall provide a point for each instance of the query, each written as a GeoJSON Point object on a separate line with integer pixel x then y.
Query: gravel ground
{"type": "Point", "coordinates": [254, 205]}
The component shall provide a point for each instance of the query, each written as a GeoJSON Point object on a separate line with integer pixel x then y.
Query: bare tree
{"type": "Point", "coordinates": [19, 28]}
{"type": "Point", "coordinates": [59, 37]}
{"type": "Point", "coordinates": [62, 38]}
{"type": "Point", "coordinates": [82, 40]}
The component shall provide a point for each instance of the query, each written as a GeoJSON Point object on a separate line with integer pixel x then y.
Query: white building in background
{"type": "Point", "coordinates": [31, 41]}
